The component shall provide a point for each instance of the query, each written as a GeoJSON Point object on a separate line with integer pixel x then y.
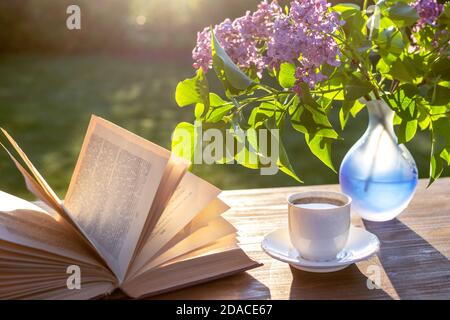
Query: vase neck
{"type": "Point", "coordinates": [380, 114]}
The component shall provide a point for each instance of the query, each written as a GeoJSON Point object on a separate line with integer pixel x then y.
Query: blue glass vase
{"type": "Point", "coordinates": [379, 174]}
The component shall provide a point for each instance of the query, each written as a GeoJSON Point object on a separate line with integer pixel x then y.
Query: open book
{"type": "Point", "coordinates": [133, 218]}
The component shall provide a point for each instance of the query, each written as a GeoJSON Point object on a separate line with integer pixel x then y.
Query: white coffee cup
{"type": "Point", "coordinates": [319, 223]}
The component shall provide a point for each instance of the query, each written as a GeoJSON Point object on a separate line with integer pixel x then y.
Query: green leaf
{"type": "Point", "coordinates": [390, 41]}
{"type": "Point", "coordinates": [403, 101]}
{"type": "Point", "coordinates": [310, 118]}
{"type": "Point", "coordinates": [436, 168]}
{"type": "Point", "coordinates": [384, 67]}
{"type": "Point", "coordinates": [349, 107]}
{"type": "Point", "coordinates": [445, 155]}
{"type": "Point", "coordinates": [346, 10]}
{"type": "Point", "coordinates": [199, 110]}
{"type": "Point", "coordinates": [407, 130]}
{"type": "Point", "coordinates": [441, 67]}
{"type": "Point", "coordinates": [233, 78]}
{"type": "Point", "coordinates": [304, 119]}
{"type": "Point", "coordinates": [216, 114]}
{"type": "Point", "coordinates": [356, 88]}
{"type": "Point", "coordinates": [423, 119]}
{"type": "Point", "coordinates": [216, 100]}
{"type": "Point", "coordinates": [439, 148]}
{"type": "Point", "coordinates": [410, 90]}
{"type": "Point", "coordinates": [194, 90]}
{"type": "Point", "coordinates": [337, 95]}
{"type": "Point", "coordinates": [183, 141]}
{"type": "Point", "coordinates": [343, 115]}
{"type": "Point", "coordinates": [441, 134]}
{"type": "Point", "coordinates": [403, 70]}
{"type": "Point", "coordinates": [247, 156]}
{"type": "Point", "coordinates": [286, 75]}
{"type": "Point", "coordinates": [444, 83]}
{"type": "Point", "coordinates": [283, 162]}
{"type": "Point", "coordinates": [403, 14]}
{"type": "Point", "coordinates": [439, 96]}
{"type": "Point", "coordinates": [409, 111]}
{"type": "Point", "coordinates": [261, 113]}
{"type": "Point", "coordinates": [219, 108]}
{"type": "Point", "coordinates": [397, 120]}
{"type": "Point", "coordinates": [357, 107]}
{"type": "Point", "coordinates": [332, 88]}
{"type": "Point", "coordinates": [354, 27]}
{"type": "Point", "coordinates": [321, 147]}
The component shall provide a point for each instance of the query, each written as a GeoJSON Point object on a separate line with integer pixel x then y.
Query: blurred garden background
{"type": "Point", "coordinates": [124, 65]}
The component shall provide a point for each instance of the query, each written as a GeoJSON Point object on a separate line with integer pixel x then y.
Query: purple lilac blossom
{"type": "Point", "coordinates": [268, 37]}
{"type": "Point", "coordinates": [428, 10]}
{"type": "Point", "coordinates": [239, 38]}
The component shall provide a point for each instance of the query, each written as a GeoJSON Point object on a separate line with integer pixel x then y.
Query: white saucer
{"type": "Point", "coordinates": [361, 245]}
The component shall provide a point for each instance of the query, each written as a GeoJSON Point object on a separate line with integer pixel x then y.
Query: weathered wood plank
{"type": "Point", "coordinates": [413, 260]}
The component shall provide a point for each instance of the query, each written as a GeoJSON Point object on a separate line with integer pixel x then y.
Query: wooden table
{"type": "Point", "coordinates": [413, 261]}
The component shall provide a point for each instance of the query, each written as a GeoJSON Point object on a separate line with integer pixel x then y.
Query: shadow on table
{"type": "Point", "coordinates": [236, 287]}
{"type": "Point", "coordinates": [415, 268]}
{"type": "Point", "coordinates": [348, 283]}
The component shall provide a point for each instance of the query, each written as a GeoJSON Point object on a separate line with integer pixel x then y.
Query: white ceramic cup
{"type": "Point", "coordinates": [319, 233]}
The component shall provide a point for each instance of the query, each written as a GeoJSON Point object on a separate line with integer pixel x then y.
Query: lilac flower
{"type": "Point", "coordinates": [239, 38]}
{"type": "Point", "coordinates": [259, 25]}
{"type": "Point", "coordinates": [202, 52]}
{"type": "Point", "coordinates": [428, 10]}
{"type": "Point", "coordinates": [309, 75]}
{"type": "Point", "coordinates": [268, 37]}
{"type": "Point", "coordinates": [312, 23]}
{"type": "Point", "coordinates": [285, 44]}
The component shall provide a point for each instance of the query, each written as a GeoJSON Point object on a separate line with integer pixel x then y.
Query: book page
{"type": "Point", "coordinates": [211, 213]}
{"type": "Point", "coordinates": [175, 170]}
{"type": "Point", "coordinates": [37, 185]}
{"type": "Point", "coordinates": [183, 241]}
{"type": "Point", "coordinates": [25, 224]}
{"type": "Point", "coordinates": [9, 247]}
{"type": "Point", "coordinates": [199, 266]}
{"type": "Point", "coordinates": [193, 240]}
{"type": "Point", "coordinates": [191, 196]}
{"type": "Point", "coordinates": [34, 181]}
{"type": "Point", "coordinates": [112, 189]}
{"type": "Point", "coordinates": [57, 290]}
